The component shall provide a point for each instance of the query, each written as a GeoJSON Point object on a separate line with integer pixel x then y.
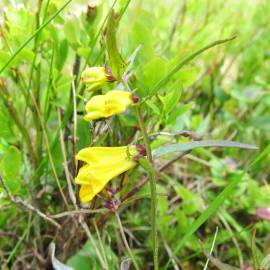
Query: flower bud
{"type": "Point", "coordinates": [96, 77]}
{"type": "Point", "coordinates": [141, 149]}
{"type": "Point", "coordinates": [91, 12]}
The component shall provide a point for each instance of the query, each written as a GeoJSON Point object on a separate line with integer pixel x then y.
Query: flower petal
{"type": "Point", "coordinates": [95, 178]}
{"type": "Point", "coordinates": [102, 106]}
{"type": "Point", "coordinates": [86, 194]}
{"type": "Point", "coordinates": [106, 155]}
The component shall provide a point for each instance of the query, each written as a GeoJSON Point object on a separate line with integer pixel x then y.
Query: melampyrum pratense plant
{"type": "Point", "coordinates": [102, 164]}
{"type": "Point", "coordinates": [95, 165]}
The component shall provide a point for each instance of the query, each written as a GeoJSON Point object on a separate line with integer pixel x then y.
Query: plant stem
{"type": "Point", "coordinates": [152, 187]}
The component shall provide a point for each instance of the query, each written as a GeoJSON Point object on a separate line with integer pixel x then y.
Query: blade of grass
{"type": "Point", "coordinates": [216, 203]}
{"type": "Point", "coordinates": [11, 59]}
{"type": "Point", "coordinates": [125, 241]}
{"type": "Point", "coordinates": [211, 250]}
{"type": "Point", "coordinates": [207, 213]}
{"type": "Point", "coordinates": [185, 61]}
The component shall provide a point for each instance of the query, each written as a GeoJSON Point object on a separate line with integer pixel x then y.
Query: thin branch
{"type": "Point", "coordinates": [170, 162]}
{"type": "Point", "coordinates": [78, 212]}
{"type": "Point", "coordinates": [142, 183]}
{"type": "Point", "coordinates": [170, 253]}
{"type": "Point", "coordinates": [25, 205]}
{"type": "Point", "coordinates": [125, 241]}
{"type": "Point", "coordinates": [64, 154]}
{"type": "Point", "coordinates": [89, 235]}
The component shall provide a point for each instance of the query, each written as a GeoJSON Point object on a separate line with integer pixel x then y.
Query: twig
{"type": "Point", "coordinates": [67, 173]}
{"type": "Point", "coordinates": [125, 240]}
{"type": "Point", "coordinates": [78, 212]}
{"type": "Point", "coordinates": [141, 184]}
{"type": "Point", "coordinates": [100, 242]}
{"type": "Point", "coordinates": [170, 162]}
{"type": "Point", "coordinates": [23, 204]}
{"type": "Point", "coordinates": [169, 251]}
{"type": "Point", "coordinates": [89, 235]}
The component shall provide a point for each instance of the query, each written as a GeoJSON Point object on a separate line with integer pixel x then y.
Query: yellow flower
{"type": "Point", "coordinates": [103, 164]}
{"type": "Point", "coordinates": [96, 77]}
{"type": "Point", "coordinates": [102, 106]}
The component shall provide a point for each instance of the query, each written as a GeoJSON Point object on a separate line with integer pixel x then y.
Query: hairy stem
{"type": "Point", "coordinates": [152, 187]}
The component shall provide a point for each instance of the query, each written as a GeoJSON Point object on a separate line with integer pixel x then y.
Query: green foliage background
{"type": "Point", "coordinates": [222, 94]}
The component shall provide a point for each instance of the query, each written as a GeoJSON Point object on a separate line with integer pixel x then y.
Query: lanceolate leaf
{"type": "Point", "coordinates": [57, 265]}
{"type": "Point", "coordinates": [182, 147]}
{"type": "Point", "coordinates": [184, 62]}
{"type": "Point", "coordinates": [117, 63]}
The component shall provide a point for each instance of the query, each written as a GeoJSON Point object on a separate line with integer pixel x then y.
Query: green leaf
{"type": "Point", "coordinates": [71, 31]}
{"type": "Point", "coordinates": [86, 258]}
{"type": "Point", "coordinates": [216, 203]}
{"type": "Point", "coordinates": [11, 59]}
{"type": "Point", "coordinates": [153, 70]}
{"type": "Point", "coordinates": [265, 264]}
{"type": "Point", "coordinates": [11, 163]}
{"type": "Point", "coordinates": [182, 147]}
{"type": "Point", "coordinates": [212, 208]}
{"type": "Point", "coordinates": [117, 63]}
{"type": "Point", "coordinates": [62, 53]}
{"type": "Point", "coordinates": [171, 99]}
{"type": "Point", "coordinates": [184, 62]}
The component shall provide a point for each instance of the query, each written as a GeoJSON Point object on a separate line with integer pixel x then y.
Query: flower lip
{"type": "Point", "coordinates": [141, 149]}
{"type": "Point", "coordinates": [102, 165]}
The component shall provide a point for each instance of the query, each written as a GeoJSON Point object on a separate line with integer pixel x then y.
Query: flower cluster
{"type": "Point", "coordinates": [104, 163]}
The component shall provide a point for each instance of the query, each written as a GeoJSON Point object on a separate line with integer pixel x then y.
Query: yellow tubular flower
{"type": "Point", "coordinates": [103, 106]}
{"type": "Point", "coordinates": [96, 77]}
{"type": "Point", "coordinates": [103, 164]}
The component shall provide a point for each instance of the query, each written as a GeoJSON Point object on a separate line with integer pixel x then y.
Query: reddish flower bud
{"type": "Point", "coordinates": [134, 98]}
{"type": "Point", "coordinates": [141, 149]}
